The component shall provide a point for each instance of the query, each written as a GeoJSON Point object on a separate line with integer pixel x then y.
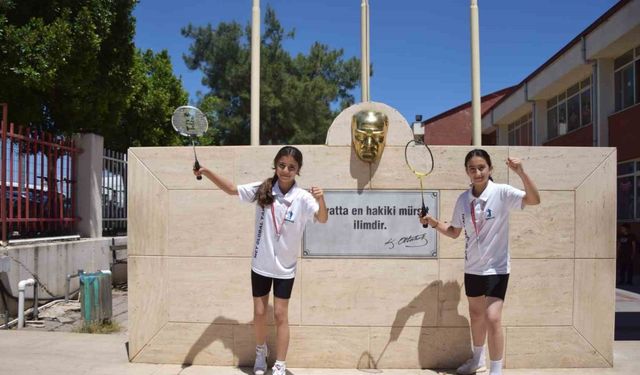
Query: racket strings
{"type": "Point", "coordinates": [419, 158]}
{"type": "Point", "coordinates": [189, 121]}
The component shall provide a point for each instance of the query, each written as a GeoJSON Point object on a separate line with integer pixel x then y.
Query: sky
{"type": "Point", "coordinates": [419, 49]}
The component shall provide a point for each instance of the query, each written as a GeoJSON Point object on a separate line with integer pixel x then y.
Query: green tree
{"type": "Point", "coordinates": [299, 96]}
{"type": "Point", "coordinates": [66, 65]}
{"type": "Point", "coordinates": [71, 66]}
{"type": "Point", "coordinates": [156, 92]}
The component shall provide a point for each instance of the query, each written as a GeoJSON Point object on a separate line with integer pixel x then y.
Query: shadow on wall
{"type": "Point", "coordinates": [245, 355]}
{"type": "Point", "coordinates": [433, 350]}
{"type": "Point", "coordinates": [361, 171]}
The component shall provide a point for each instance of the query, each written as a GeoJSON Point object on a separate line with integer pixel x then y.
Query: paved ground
{"type": "Point", "coordinates": [37, 350]}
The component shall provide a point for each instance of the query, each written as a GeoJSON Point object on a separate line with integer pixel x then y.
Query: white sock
{"type": "Point", "coordinates": [262, 349]}
{"type": "Point", "coordinates": [478, 354]}
{"type": "Point", "coordinates": [281, 363]}
{"type": "Point", "coordinates": [496, 367]}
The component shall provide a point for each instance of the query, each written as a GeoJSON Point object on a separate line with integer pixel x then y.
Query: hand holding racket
{"type": "Point", "coordinates": [190, 122]}
{"type": "Point", "coordinates": [428, 220]}
{"type": "Point", "coordinates": [419, 159]}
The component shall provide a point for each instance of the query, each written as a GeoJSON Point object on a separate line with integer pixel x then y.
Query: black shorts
{"type": "Point", "coordinates": [261, 285]}
{"type": "Point", "coordinates": [486, 285]}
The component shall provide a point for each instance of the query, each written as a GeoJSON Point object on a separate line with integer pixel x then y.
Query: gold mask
{"type": "Point", "coordinates": [368, 132]}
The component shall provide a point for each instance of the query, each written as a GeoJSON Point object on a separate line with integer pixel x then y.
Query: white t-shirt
{"type": "Point", "coordinates": [276, 245]}
{"type": "Point", "coordinates": [485, 221]}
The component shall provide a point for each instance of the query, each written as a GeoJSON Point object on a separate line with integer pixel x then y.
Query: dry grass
{"type": "Point", "coordinates": [102, 328]}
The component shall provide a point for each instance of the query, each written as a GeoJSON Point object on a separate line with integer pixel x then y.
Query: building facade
{"type": "Point", "coordinates": [453, 127]}
{"type": "Point", "coordinates": [587, 94]}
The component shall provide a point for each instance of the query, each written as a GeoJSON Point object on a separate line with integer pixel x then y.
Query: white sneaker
{"type": "Point", "coordinates": [260, 367]}
{"type": "Point", "coordinates": [279, 369]}
{"type": "Point", "coordinates": [471, 367]}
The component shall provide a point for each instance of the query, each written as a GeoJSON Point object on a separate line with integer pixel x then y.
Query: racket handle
{"type": "Point", "coordinates": [196, 166]}
{"type": "Point", "coordinates": [423, 212]}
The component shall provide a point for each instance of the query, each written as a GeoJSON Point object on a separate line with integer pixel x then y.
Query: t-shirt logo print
{"type": "Point", "coordinates": [289, 217]}
{"type": "Point", "coordinates": [259, 234]}
{"type": "Point", "coordinates": [489, 214]}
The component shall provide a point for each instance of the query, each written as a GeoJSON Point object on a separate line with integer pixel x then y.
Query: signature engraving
{"type": "Point", "coordinates": [413, 240]}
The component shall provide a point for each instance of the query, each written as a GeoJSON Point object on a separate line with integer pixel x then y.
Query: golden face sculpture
{"type": "Point", "coordinates": [368, 132]}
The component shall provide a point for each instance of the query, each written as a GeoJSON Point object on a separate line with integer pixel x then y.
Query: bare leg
{"type": "Point", "coordinates": [281, 312]}
{"type": "Point", "coordinates": [260, 318]}
{"type": "Point", "coordinates": [478, 334]}
{"type": "Point", "coordinates": [477, 306]}
{"type": "Point", "coordinates": [494, 328]}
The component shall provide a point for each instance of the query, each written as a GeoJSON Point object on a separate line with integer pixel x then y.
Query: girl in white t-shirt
{"type": "Point", "coordinates": [483, 213]}
{"type": "Point", "coordinates": [282, 211]}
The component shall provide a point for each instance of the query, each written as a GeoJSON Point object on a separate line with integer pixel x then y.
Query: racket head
{"type": "Point", "coordinates": [419, 158]}
{"type": "Point", "coordinates": [189, 121]}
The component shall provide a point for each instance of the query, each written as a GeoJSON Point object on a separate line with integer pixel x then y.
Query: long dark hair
{"type": "Point", "coordinates": [264, 197]}
{"type": "Point", "coordinates": [480, 153]}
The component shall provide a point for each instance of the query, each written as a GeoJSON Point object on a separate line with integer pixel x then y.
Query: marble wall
{"type": "Point", "coordinates": [190, 254]}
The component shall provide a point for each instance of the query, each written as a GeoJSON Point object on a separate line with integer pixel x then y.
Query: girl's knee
{"type": "Point", "coordinates": [281, 316]}
{"type": "Point", "coordinates": [494, 320]}
{"type": "Point", "coordinates": [477, 314]}
{"type": "Point", "coordinates": [259, 312]}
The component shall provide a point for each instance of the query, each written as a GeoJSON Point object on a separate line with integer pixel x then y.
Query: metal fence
{"type": "Point", "coordinates": [114, 193]}
{"type": "Point", "coordinates": [38, 182]}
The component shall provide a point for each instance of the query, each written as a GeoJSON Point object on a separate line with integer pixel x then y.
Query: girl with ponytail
{"type": "Point", "coordinates": [282, 211]}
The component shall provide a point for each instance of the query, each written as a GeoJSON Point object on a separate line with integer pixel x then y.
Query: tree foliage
{"type": "Point", "coordinates": [65, 64]}
{"type": "Point", "coordinates": [71, 66]}
{"type": "Point", "coordinates": [299, 96]}
{"type": "Point", "coordinates": [156, 92]}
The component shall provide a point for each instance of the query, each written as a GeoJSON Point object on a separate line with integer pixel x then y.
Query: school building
{"type": "Point", "coordinates": [587, 94]}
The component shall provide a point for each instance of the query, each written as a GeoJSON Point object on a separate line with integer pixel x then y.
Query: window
{"type": "Point", "coordinates": [638, 75]}
{"type": "Point", "coordinates": [570, 109]}
{"type": "Point", "coordinates": [562, 118]}
{"type": "Point", "coordinates": [626, 79]}
{"type": "Point", "coordinates": [585, 102]}
{"type": "Point", "coordinates": [629, 190]}
{"type": "Point", "coordinates": [520, 131]}
{"type": "Point", "coordinates": [585, 107]}
{"type": "Point", "coordinates": [573, 110]}
{"type": "Point", "coordinates": [552, 124]}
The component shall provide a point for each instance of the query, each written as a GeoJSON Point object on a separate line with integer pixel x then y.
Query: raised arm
{"type": "Point", "coordinates": [531, 196]}
{"type": "Point", "coordinates": [221, 182]}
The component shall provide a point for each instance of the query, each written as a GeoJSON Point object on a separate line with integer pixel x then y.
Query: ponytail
{"type": "Point", "coordinates": [264, 195]}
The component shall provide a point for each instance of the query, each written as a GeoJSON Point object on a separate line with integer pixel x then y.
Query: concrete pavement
{"type": "Point", "coordinates": [36, 351]}
{"type": "Point", "coordinates": [28, 352]}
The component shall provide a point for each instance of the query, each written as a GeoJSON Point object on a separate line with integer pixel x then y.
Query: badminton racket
{"type": "Point", "coordinates": [190, 122]}
{"type": "Point", "coordinates": [419, 159]}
